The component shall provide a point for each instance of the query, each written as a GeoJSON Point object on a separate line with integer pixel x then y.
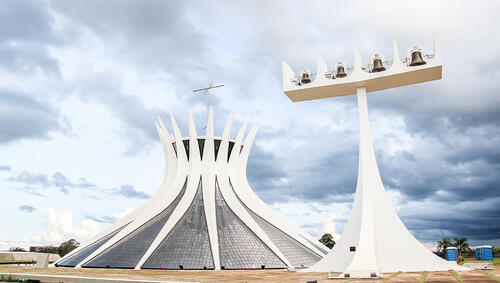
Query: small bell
{"type": "Point", "coordinates": [416, 57]}
{"type": "Point", "coordinates": [377, 64]}
{"type": "Point", "coordinates": [305, 76]}
{"type": "Point", "coordinates": [340, 71]}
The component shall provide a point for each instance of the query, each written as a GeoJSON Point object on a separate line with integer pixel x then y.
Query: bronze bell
{"type": "Point", "coordinates": [416, 58]}
{"type": "Point", "coordinates": [305, 78]}
{"type": "Point", "coordinates": [340, 72]}
{"type": "Point", "coordinates": [377, 65]}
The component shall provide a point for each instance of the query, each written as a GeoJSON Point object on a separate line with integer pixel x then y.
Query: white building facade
{"type": "Point", "coordinates": [204, 216]}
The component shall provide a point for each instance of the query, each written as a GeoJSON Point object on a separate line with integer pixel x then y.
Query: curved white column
{"type": "Point", "coordinates": [206, 166]}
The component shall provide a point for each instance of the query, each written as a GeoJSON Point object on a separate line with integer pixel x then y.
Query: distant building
{"type": "Point", "coordinates": [36, 249]}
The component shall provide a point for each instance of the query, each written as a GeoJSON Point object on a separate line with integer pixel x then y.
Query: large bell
{"type": "Point", "coordinates": [377, 64]}
{"type": "Point", "coordinates": [305, 78]}
{"type": "Point", "coordinates": [340, 71]}
{"type": "Point", "coordinates": [416, 58]}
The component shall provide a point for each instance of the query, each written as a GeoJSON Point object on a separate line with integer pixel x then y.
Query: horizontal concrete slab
{"type": "Point", "coordinates": [74, 279]}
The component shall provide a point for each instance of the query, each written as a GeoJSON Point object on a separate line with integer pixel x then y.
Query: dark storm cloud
{"type": "Point", "coordinates": [333, 175]}
{"type": "Point", "coordinates": [128, 191]}
{"type": "Point", "coordinates": [27, 208]}
{"type": "Point", "coordinates": [25, 33]}
{"type": "Point", "coordinates": [264, 171]}
{"type": "Point", "coordinates": [477, 220]}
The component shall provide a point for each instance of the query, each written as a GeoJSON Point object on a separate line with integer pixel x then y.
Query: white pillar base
{"type": "Point", "coordinates": [374, 239]}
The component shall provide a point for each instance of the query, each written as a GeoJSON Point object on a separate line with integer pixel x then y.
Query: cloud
{"type": "Point", "coordinates": [329, 228]}
{"type": "Point", "coordinates": [436, 143]}
{"type": "Point", "coordinates": [126, 210]}
{"type": "Point", "coordinates": [103, 219]}
{"type": "Point", "coordinates": [62, 182]}
{"type": "Point", "coordinates": [24, 117]}
{"type": "Point", "coordinates": [27, 208]}
{"type": "Point", "coordinates": [61, 228]}
{"type": "Point", "coordinates": [58, 180]}
{"type": "Point", "coordinates": [264, 172]}
{"type": "Point", "coordinates": [31, 190]}
{"type": "Point", "coordinates": [113, 218]}
{"type": "Point", "coordinates": [128, 191]}
{"type": "Point", "coordinates": [5, 168]}
{"type": "Point", "coordinates": [31, 179]}
{"type": "Point", "coordinates": [24, 45]}
{"type": "Point", "coordinates": [145, 29]}
{"type": "Point", "coordinates": [32, 183]}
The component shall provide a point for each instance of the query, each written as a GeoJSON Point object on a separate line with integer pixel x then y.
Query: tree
{"type": "Point", "coordinates": [442, 245]}
{"type": "Point", "coordinates": [16, 249]}
{"type": "Point", "coordinates": [67, 247]}
{"type": "Point", "coordinates": [327, 240]}
{"type": "Point", "coordinates": [462, 245]}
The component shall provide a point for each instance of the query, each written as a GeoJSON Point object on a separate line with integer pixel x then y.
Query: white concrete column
{"type": "Point", "coordinates": [365, 254]}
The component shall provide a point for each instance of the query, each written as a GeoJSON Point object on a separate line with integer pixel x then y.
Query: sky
{"type": "Point", "coordinates": [82, 82]}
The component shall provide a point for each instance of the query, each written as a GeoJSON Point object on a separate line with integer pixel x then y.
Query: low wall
{"type": "Point", "coordinates": [25, 256]}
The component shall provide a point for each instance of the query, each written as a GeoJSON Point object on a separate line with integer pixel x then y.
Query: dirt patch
{"type": "Point", "coordinates": [439, 277]}
{"type": "Point", "coordinates": [244, 275]}
{"type": "Point", "coordinates": [176, 275]}
{"type": "Point", "coordinates": [468, 276]}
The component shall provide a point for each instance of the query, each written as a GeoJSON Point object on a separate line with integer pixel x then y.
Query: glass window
{"type": "Point", "coordinates": [239, 247]}
{"type": "Point", "coordinates": [75, 259]}
{"type": "Point", "coordinates": [317, 245]}
{"type": "Point", "coordinates": [187, 246]}
{"type": "Point", "coordinates": [186, 146]}
{"type": "Point", "coordinates": [127, 252]}
{"type": "Point", "coordinates": [231, 145]}
{"type": "Point", "coordinates": [298, 254]}
{"type": "Point", "coordinates": [201, 145]}
{"type": "Point", "coordinates": [175, 148]}
{"type": "Point", "coordinates": [216, 147]}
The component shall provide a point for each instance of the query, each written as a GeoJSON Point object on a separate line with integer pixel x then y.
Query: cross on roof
{"type": "Point", "coordinates": [206, 92]}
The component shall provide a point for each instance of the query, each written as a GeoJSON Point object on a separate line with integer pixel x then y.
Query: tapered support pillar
{"type": "Point", "coordinates": [374, 239]}
{"type": "Point", "coordinates": [368, 179]}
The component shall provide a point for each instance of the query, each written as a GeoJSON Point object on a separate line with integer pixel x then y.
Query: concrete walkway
{"type": "Point", "coordinates": [74, 279]}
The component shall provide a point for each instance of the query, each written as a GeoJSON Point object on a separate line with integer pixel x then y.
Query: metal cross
{"type": "Point", "coordinates": [206, 92]}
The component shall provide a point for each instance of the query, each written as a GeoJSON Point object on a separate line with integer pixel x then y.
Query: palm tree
{"type": "Point", "coordinates": [462, 245]}
{"type": "Point", "coordinates": [443, 244]}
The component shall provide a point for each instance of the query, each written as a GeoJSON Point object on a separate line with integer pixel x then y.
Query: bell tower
{"type": "Point", "coordinates": [374, 240]}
